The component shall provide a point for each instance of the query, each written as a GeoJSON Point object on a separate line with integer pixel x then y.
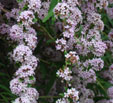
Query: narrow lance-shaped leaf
{"type": "Point", "coordinates": [50, 12]}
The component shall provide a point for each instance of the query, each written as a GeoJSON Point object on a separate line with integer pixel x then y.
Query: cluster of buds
{"type": "Point", "coordinates": [72, 57]}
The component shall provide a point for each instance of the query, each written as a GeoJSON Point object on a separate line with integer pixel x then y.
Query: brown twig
{"type": "Point", "coordinates": [5, 10]}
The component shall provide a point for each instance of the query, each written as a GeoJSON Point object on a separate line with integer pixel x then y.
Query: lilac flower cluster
{"type": "Point", "coordinates": [13, 14]}
{"type": "Point", "coordinates": [71, 17]}
{"type": "Point", "coordinates": [44, 9]}
{"type": "Point", "coordinates": [65, 74]}
{"type": "Point", "coordinates": [26, 38]}
{"type": "Point", "coordinates": [4, 29]}
{"type": "Point", "coordinates": [81, 42]}
{"type": "Point", "coordinates": [83, 50]}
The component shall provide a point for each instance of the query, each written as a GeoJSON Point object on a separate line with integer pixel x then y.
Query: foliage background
{"type": "Point", "coordinates": [50, 60]}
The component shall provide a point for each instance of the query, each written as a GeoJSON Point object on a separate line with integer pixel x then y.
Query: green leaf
{"type": "Point", "coordinates": [21, 79]}
{"type": "Point", "coordinates": [78, 33]}
{"type": "Point", "coordinates": [25, 7]}
{"type": "Point", "coordinates": [4, 74]}
{"type": "Point", "coordinates": [110, 5]}
{"type": "Point", "coordinates": [4, 88]}
{"type": "Point", "coordinates": [65, 88]}
{"type": "Point", "coordinates": [50, 41]}
{"type": "Point", "coordinates": [1, 64]}
{"type": "Point", "coordinates": [35, 20]}
{"type": "Point", "coordinates": [43, 70]}
{"type": "Point", "coordinates": [53, 20]}
{"type": "Point", "coordinates": [50, 13]}
{"type": "Point", "coordinates": [8, 94]}
{"type": "Point", "coordinates": [31, 77]}
{"type": "Point", "coordinates": [61, 94]}
{"type": "Point", "coordinates": [19, 1]}
{"type": "Point", "coordinates": [105, 84]}
{"type": "Point", "coordinates": [4, 98]}
{"type": "Point", "coordinates": [53, 4]}
{"type": "Point", "coordinates": [97, 98]}
{"type": "Point", "coordinates": [111, 22]}
{"type": "Point", "coordinates": [29, 85]}
{"type": "Point", "coordinates": [65, 52]}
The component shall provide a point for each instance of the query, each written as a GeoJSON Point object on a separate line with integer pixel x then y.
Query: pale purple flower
{"type": "Point", "coordinates": [95, 64]}
{"type": "Point", "coordinates": [89, 100]}
{"type": "Point", "coordinates": [103, 101]}
{"type": "Point", "coordinates": [61, 44]}
{"type": "Point", "coordinates": [110, 92]}
{"type": "Point", "coordinates": [110, 12]}
{"type": "Point", "coordinates": [30, 80]}
{"type": "Point", "coordinates": [94, 34]}
{"type": "Point", "coordinates": [31, 31]}
{"type": "Point", "coordinates": [43, 12]}
{"type": "Point", "coordinates": [4, 29]}
{"type": "Point", "coordinates": [34, 5]}
{"type": "Point", "coordinates": [16, 33]}
{"type": "Point", "coordinates": [13, 14]}
{"type": "Point", "coordinates": [32, 93]}
{"type": "Point", "coordinates": [17, 87]}
{"type": "Point", "coordinates": [102, 4]}
{"type": "Point", "coordinates": [65, 74]}
{"type": "Point", "coordinates": [72, 57]}
{"type": "Point", "coordinates": [21, 53]}
{"type": "Point", "coordinates": [110, 35]}
{"type": "Point", "coordinates": [30, 40]}
{"type": "Point", "coordinates": [62, 10]}
{"type": "Point", "coordinates": [25, 71]}
{"type": "Point", "coordinates": [26, 17]}
{"type": "Point", "coordinates": [88, 76]}
{"type": "Point", "coordinates": [32, 61]}
{"type": "Point", "coordinates": [62, 100]}
{"type": "Point", "coordinates": [72, 93]}
{"type": "Point", "coordinates": [25, 99]}
{"type": "Point", "coordinates": [99, 48]}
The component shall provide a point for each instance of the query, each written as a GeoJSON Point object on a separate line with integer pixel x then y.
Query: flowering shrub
{"type": "Point", "coordinates": [59, 51]}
